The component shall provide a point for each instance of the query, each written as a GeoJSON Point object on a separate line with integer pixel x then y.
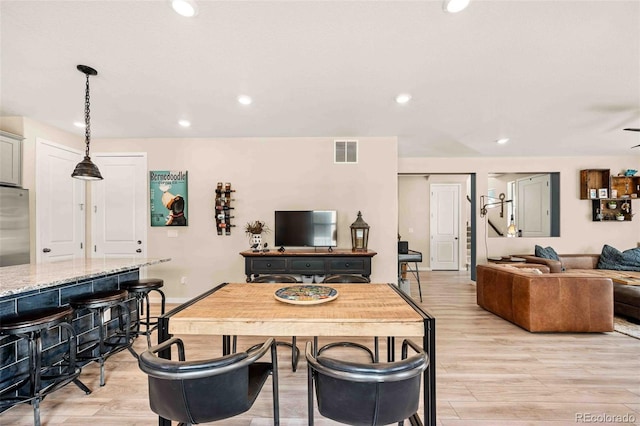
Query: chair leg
{"type": "Point", "coordinates": [82, 386]}
{"type": "Point", "coordinates": [295, 353]}
{"type": "Point", "coordinates": [36, 411]}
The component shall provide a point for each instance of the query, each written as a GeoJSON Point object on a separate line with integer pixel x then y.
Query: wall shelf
{"type": "Point", "coordinates": [620, 191]}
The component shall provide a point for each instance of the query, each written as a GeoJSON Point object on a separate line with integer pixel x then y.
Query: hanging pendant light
{"type": "Point", "coordinates": [85, 169]}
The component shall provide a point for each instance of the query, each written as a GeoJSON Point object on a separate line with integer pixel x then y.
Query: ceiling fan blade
{"type": "Point", "coordinates": [632, 129]}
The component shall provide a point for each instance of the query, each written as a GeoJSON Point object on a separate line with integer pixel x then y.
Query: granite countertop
{"type": "Point", "coordinates": [35, 276]}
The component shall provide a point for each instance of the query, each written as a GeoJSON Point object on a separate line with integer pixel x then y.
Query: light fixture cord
{"type": "Point", "coordinates": [87, 119]}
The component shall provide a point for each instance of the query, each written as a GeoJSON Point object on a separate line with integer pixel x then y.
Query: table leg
{"type": "Point", "coordinates": [429, 345]}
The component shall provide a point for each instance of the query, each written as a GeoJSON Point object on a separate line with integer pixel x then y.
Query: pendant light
{"type": "Point", "coordinates": [85, 169]}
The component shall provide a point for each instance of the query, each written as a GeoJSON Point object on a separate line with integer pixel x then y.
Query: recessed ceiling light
{"type": "Point", "coordinates": [455, 6]}
{"type": "Point", "coordinates": [79, 124]}
{"type": "Point", "coordinates": [187, 8]}
{"type": "Point", "coordinates": [245, 100]}
{"type": "Point", "coordinates": [403, 98]}
{"type": "Point", "coordinates": [502, 141]}
{"type": "Point", "coordinates": [184, 123]}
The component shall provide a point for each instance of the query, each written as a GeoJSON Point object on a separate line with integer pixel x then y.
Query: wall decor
{"type": "Point", "coordinates": [168, 197]}
{"type": "Point", "coordinates": [223, 208]}
{"type": "Point", "coordinates": [602, 193]}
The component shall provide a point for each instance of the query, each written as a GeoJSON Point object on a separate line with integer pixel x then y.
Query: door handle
{"type": "Point", "coordinates": [139, 242]}
{"type": "Point", "coordinates": [46, 250]}
{"type": "Point", "coordinates": [139, 251]}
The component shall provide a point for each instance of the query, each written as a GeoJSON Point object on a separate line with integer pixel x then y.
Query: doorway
{"type": "Point", "coordinates": [444, 220]}
{"type": "Point", "coordinates": [414, 215]}
{"type": "Point", "coordinates": [119, 206]}
{"type": "Point", "coordinates": [60, 204]}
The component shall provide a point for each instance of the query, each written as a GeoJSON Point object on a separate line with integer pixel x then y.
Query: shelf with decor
{"type": "Point", "coordinates": [610, 195]}
{"type": "Point", "coordinates": [625, 186]}
{"type": "Point", "coordinates": [593, 180]}
{"type": "Point", "coordinates": [609, 209]}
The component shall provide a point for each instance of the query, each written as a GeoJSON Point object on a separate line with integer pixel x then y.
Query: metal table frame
{"type": "Point", "coordinates": [428, 343]}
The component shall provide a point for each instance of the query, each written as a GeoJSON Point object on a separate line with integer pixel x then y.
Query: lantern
{"type": "Point", "coordinates": [359, 234]}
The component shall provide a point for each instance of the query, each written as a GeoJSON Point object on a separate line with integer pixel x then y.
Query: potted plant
{"type": "Point", "coordinates": [255, 230]}
{"type": "Point", "coordinates": [619, 216]}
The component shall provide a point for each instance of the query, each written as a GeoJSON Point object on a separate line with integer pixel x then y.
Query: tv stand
{"type": "Point", "coordinates": [307, 262]}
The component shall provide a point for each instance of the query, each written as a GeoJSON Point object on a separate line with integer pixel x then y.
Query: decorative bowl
{"type": "Point", "coordinates": [621, 218]}
{"type": "Point", "coordinates": [630, 172]}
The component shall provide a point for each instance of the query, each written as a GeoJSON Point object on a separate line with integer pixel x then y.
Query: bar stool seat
{"type": "Point", "coordinates": [44, 374]}
{"type": "Point", "coordinates": [106, 344]}
{"type": "Point", "coordinates": [140, 289]}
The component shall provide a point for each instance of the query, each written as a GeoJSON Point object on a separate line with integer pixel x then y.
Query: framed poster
{"type": "Point", "coordinates": [168, 197]}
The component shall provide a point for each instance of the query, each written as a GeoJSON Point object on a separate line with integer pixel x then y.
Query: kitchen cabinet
{"type": "Point", "coordinates": [10, 159]}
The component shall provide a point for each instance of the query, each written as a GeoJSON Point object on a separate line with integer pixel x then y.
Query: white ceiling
{"type": "Point", "coordinates": [556, 77]}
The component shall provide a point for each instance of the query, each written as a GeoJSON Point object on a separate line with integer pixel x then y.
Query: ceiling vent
{"type": "Point", "coordinates": [345, 151]}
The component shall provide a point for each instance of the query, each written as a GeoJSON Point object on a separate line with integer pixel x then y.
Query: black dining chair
{"type": "Point", "coordinates": [366, 394]}
{"type": "Point", "coordinates": [286, 279]}
{"type": "Point", "coordinates": [348, 279]}
{"type": "Point", "coordinates": [193, 392]}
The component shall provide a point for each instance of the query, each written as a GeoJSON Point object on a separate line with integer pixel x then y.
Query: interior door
{"type": "Point", "coordinates": [119, 210]}
{"type": "Point", "coordinates": [533, 208]}
{"type": "Point", "coordinates": [60, 203]}
{"type": "Point", "coordinates": [445, 227]}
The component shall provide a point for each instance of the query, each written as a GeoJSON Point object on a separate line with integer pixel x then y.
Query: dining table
{"type": "Point", "coordinates": [358, 310]}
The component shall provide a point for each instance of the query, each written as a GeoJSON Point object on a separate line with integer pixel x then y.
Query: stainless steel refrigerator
{"type": "Point", "coordinates": [14, 226]}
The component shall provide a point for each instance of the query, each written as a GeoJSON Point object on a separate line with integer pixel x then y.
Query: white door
{"type": "Point", "coordinates": [60, 203]}
{"type": "Point", "coordinates": [119, 210]}
{"type": "Point", "coordinates": [533, 205]}
{"type": "Point", "coordinates": [444, 226]}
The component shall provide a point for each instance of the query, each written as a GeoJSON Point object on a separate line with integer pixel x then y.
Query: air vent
{"type": "Point", "coordinates": [345, 151]}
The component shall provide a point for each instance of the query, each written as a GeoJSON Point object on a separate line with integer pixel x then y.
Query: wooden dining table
{"type": "Point", "coordinates": [360, 310]}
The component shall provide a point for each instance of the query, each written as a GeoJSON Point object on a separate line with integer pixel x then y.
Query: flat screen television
{"type": "Point", "coordinates": [306, 228]}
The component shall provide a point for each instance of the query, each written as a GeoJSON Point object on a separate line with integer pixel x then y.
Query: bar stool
{"type": "Point", "coordinates": [45, 374]}
{"type": "Point", "coordinates": [140, 289]}
{"type": "Point", "coordinates": [107, 343]}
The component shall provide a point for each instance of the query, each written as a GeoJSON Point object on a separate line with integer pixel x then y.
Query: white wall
{"type": "Point", "coordinates": [268, 175]}
{"type": "Point", "coordinates": [578, 233]}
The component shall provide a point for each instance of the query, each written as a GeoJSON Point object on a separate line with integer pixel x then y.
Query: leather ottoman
{"type": "Point", "coordinates": [626, 301]}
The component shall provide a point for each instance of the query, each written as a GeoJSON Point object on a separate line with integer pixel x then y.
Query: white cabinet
{"type": "Point", "coordinates": [10, 159]}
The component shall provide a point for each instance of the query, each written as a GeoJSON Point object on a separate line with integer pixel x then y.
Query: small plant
{"type": "Point", "coordinates": [256, 227]}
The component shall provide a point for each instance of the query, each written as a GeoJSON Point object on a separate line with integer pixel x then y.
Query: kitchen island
{"type": "Point", "coordinates": [38, 277]}
{"type": "Point", "coordinates": [30, 287]}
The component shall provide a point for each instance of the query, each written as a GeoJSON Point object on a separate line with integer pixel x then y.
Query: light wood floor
{"type": "Point", "coordinates": [489, 372]}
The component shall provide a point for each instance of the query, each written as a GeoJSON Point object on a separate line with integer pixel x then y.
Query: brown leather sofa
{"type": "Point", "coordinates": [545, 302]}
{"type": "Point", "coordinates": [567, 261]}
{"type": "Point", "coordinates": [626, 298]}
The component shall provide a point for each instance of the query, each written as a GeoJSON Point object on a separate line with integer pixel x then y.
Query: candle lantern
{"type": "Point", "coordinates": [359, 234]}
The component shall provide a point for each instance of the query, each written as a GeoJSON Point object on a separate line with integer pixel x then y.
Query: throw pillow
{"type": "Point", "coordinates": [612, 258]}
{"type": "Point", "coordinates": [546, 253]}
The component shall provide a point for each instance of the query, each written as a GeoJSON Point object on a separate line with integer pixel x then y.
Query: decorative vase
{"type": "Point", "coordinates": [256, 239]}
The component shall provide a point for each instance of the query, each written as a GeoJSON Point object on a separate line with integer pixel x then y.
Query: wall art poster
{"type": "Point", "coordinates": [168, 197]}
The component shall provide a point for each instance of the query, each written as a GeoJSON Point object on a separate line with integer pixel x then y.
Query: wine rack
{"type": "Point", "coordinates": [223, 208]}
